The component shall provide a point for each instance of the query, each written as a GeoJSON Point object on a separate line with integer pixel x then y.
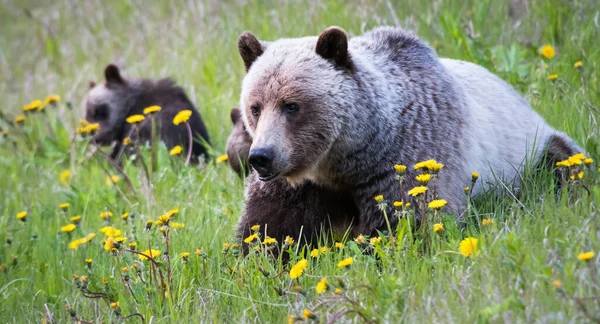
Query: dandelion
{"type": "Point", "coordinates": [51, 100]}
{"type": "Point", "coordinates": [22, 216]}
{"type": "Point", "coordinates": [487, 222]}
{"type": "Point", "coordinates": [172, 212]}
{"type": "Point", "coordinates": [407, 205]}
{"type": "Point", "coordinates": [586, 256]}
{"type": "Point", "coordinates": [564, 164]}
{"type": "Point", "coordinates": [474, 176]}
{"type": "Point", "coordinates": [152, 253]}
{"type": "Point", "coordinates": [307, 314]}
{"type": "Point", "coordinates": [110, 180]}
{"type": "Point", "coordinates": [251, 238]}
{"type": "Point", "coordinates": [36, 104]}
{"type": "Point", "coordinates": [176, 225]}
{"type": "Point", "coordinates": [298, 268]}
{"type": "Point", "coordinates": [553, 77]}
{"type": "Point", "coordinates": [149, 224]}
{"type": "Point", "coordinates": [110, 231]}
{"type": "Point", "coordinates": [76, 219]}
{"type": "Point", "coordinates": [19, 119]}
{"type": "Point", "coordinates": [184, 256]}
{"type": "Point", "coordinates": [120, 239]}
{"type": "Point", "coordinates": [126, 140]}
{"type": "Point", "coordinates": [466, 189]}
{"type": "Point", "coordinates": [424, 178]}
{"type": "Point", "coordinates": [417, 191]}
{"type": "Point", "coordinates": [379, 198]}
{"type": "Point", "coordinates": [269, 240]}
{"type": "Point", "coordinates": [124, 216]}
{"type": "Point", "coordinates": [580, 175]}
{"type": "Point", "coordinates": [314, 253]}
{"type": "Point", "coordinates": [468, 246]}
{"type": "Point", "coordinates": [556, 284]}
{"type": "Point", "coordinates": [375, 241]}
{"type": "Point", "coordinates": [134, 119]}
{"type": "Point", "coordinates": [438, 227]}
{"type": "Point", "coordinates": [88, 262]}
{"type": "Point", "coordinates": [400, 169]}
{"type": "Point", "coordinates": [397, 204]}
{"type": "Point", "coordinates": [222, 158]}
{"type": "Point", "coordinates": [576, 159]}
{"type": "Point", "coordinates": [200, 252]}
{"type": "Point", "coordinates": [111, 244]}
{"type": "Point", "coordinates": [74, 244]}
{"type": "Point", "coordinates": [339, 245]}
{"type": "Point", "coordinates": [115, 305]}
{"type": "Point", "coordinates": [338, 291]}
{"type": "Point", "coordinates": [176, 150]}
{"type": "Point", "coordinates": [424, 165]}
{"type": "Point", "coordinates": [132, 245]}
{"type": "Point", "coordinates": [289, 241]}
{"type": "Point", "coordinates": [547, 51]}
{"type": "Point", "coordinates": [165, 218]}
{"type": "Point", "coordinates": [588, 161]}
{"type": "Point", "coordinates": [578, 65]}
{"type": "Point", "coordinates": [106, 215]}
{"type": "Point", "coordinates": [322, 286]}
{"type": "Point", "coordinates": [151, 110]}
{"type": "Point", "coordinates": [68, 228]}
{"type": "Point", "coordinates": [346, 262]}
{"type": "Point", "coordinates": [360, 239]}
{"type": "Point", "coordinates": [182, 117]}
{"type": "Point", "coordinates": [255, 228]}
{"type": "Point", "coordinates": [436, 167]}
{"type": "Point", "coordinates": [437, 204]}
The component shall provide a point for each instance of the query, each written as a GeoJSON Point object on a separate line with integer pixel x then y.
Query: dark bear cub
{"type": "Point", "coordinates": [110, 103]}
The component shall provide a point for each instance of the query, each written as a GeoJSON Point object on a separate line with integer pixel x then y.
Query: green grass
{"type": "Point", "coordinates": [61, 46]}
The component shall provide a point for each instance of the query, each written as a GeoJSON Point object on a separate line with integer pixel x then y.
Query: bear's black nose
{"type": "Point", "coordinates": [261, 159]}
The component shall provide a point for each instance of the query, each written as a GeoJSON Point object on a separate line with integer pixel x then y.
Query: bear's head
{"type": "Point", "coordinates": [293, 101]}
{"type": "Point", "coordinates": [108, 104]}
{"type": "Point", "coordinates": [238, 144]}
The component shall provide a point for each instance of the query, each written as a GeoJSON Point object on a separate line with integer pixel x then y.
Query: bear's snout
{"type": "Point", "coordinates": [261, 160]}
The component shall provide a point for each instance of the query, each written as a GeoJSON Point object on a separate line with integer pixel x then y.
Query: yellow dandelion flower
{"type": "Point", "coordinates": [298, 268]}
{"type": "Point", "coordinates": [553, 77]}
{"type": "Point", "coordinates": [112, 179]}
{"type": "Point", "coordinates": [222, 158]}
{"type": "Point", "coordinates": [288, 241]}
{"type": "Point", "coordinates": [182, 117]}
{"type": "Point", "coordinates": [586, 256]}
{"type": "Point", "coordinates": [417, 191]}
{"type": "Point", "coordinates": [120, 239]}
{"type": "Point", "coordinates": [134, 119]}
{"type": "Point", "coordinates": [88, 261]}
{"type": "Point", "coordinates": [92, 127]}
{"type": "Point", "coordinates": [151, 110]}
{"type": "Point", "coordinates": [556, 284]}
{"type": "Point", "coordinates": [176, 150]}
{"type": "Point", "coordinates": [165, 218]}
{"type": "Point", "coordinates": [379, 198]}
{"type": "Point", "coordinates": [578, 65]}
{"type": "Point", "coordinates": [132, 245]}
{"type": "Point", "coordinates": [110, 231]}
{"type": "Point", "coordinates": [124, 216]}
{"type": "Point", "coordinates": [314, 253]}
{"type": "Point", "coordinates": [407, 205]}
{"type": "Point", "coordinates": [255, 228]}
{"type": "Point", "coordinates": [176, 225]}
{"type": "Point", "coordinates": [375, 241]}
{"type": "Point", "coordinates": [307, 314]}
{"type": "Point", "coordinates": [438, 227]}
{"type": "Point", "coordinates": [339, 245]}
{"type": "Point", "coordinates": [226, 245]}
{"type": "Point", "coordinates": [338, 291]}
{"type": "Point", "coordinates": [126, 140]}
{"type": "Point", "coordinates": [563, 164]}
{"type": "Point", "coordinates": [200, 251]}
{"type": "Point", "coordinates": [436, 167]}
{"type": "Point", "coordinates": [466, 189]}
{"type": "Point", "coordinates": [322, 286]}
{"type": "Point", "coordinates": [346, 262]}
{"type": "Point", "coordinates": [468, 246]}
{"type": "Point", "coordinates": [83, 123]}
{"type": "Point", "coordinates": [111, 244]}
{"type": "Point", "coordinates": [580, 175]}
{"type": "Point", "coordinates": [576, 159]}
{"type": "Point", "coordinates": [324, 249]}
{"type": "Point", "coordinates": [52, 99]}
{"type": "Point", "coordinates": [106, 215]}
{"type": "Point", "coordinates": [424, 178]}
{"type": "Point", "coordinates": [114, 305]}
{"type": "Point", "coordinates": [360, 239]}
{"type": "Point", "coordinates": [588, 161]}
{"type": "Point", "coordinates": [547, 51]}
{"type": "Point", "coordinates": [74, 244]}
{"type": "Point", "coordinates": [251, 238]}
{"type": "Point", "coordinates": [184, 255]}
{"type": "Point", "coordinates": [269, 240]}
{"type": "Point", "coordinates": [487, 222]}
{"type": "Point", "coordinates": [64, 206]}
{"type": "Point", "coordinates": [437, 203]}
{"type": "Point", "coordinates": [152, 253]}
{"type": "Point", "coordinates": [22, 216]}
{"type": "Point", "coordinates": [90, 236]}
{"type": "Point", "coordinates": [400, 169]}
{"type": "Point", "coordinates": [68, 228]}
{"type": "Point", "coordinates": [474, 176]}
{"type": "Point", "coordinates": [428, 165]}
{"type": "Point", "coordinates": [36, 104]}
{"type": "Point", "coordinates": [397, 204]}
{"type": "Point", "coordinates": [19, 119]}
{"type": "Point", "coordinates": [76, 219]}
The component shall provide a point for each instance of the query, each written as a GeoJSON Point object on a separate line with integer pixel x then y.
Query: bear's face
{"type": "Point", "coordinates": [238, 144]}
{"type": "Point", "coordinates": [106, 104]}
{"type": "Point", "coordinates": [292, 100]}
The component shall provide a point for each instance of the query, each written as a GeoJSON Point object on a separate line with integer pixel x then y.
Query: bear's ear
{"type": "Point", "coordinates": [250, 48]}
{"type": "Point", "coordinates": [113, 75]}
{"type": "Point", "coordinates": [333, 45]}
{"type": "Point", "coordinates": [92, 84]}
{"type": "Point", "coordinates": [236, 114]}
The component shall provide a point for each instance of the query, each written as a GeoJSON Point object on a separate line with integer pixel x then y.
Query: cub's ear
{"type": "Point", "coordinates": [250, 48]}
{"type": "Point", "coordinates": [333, 45]}
{"type": "Point", "coordinates": [113, 75]}
{"type": "Point", "coordinates": [236, 114]}
{"type": "Point", "coordinates": [92, 84]}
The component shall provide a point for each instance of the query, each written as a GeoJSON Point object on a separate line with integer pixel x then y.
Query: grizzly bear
{"type": "Point", "coordinates": [111, 102]}
{"type": "Point", "coordinates": [341, 113]}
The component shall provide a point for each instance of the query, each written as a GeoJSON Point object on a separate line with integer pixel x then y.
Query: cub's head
{"type": "Point", "coordinates": [238, 144]}
{"type": "Point", "coordinates": [293, 101]}
{"type": "Point", "coordinates": [108, 104]}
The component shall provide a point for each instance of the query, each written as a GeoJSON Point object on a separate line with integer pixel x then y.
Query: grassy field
{"type": "Point", "coordinates": [526, 269]}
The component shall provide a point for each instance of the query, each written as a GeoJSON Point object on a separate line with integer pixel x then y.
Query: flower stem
{"type": "Point", "coordinates": [190, 142]}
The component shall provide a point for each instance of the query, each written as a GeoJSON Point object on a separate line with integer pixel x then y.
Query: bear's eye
{"type": "Point", "coordinates": [101, 112]}
{"type": "Point", "coordinates": [290, 108]}
{"type": "Point", "coordinates": [255, 109]}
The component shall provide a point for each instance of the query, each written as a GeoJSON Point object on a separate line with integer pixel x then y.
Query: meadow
{"type": "Point", "coordinates": [536, 254]}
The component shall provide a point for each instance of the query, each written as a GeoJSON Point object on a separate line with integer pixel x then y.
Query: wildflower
{"type": "Point", "coordinates": [588, 161]}
{"type": "Point", "coordinates": [438, 227]}
{"type": "Point", "coordinates": [115, 305]}
{"type": "Point", "coordinates": [52, 99]}
{"type": "Point", "coordinates": [417, 191]}
{"type": "Point", "coordinates": [112, 179]}
{"type": "Point", "coordinates": [547, 51]}
{"type": "Point", "coordinates": [255, 228]}
{"type": "Point", "coordinates": [151, 110]}
{"type": "Point", "coordinates": [360, 239]}
{"type": "Point", "coordinates": [468, 246]}
{"type": "Point", "coordinates": [74, 244]}
{"type": "Point", "coordinates": [487, 221]}
{"type": "Point", "coordinates": [269, 240]}
{"type": "Point", "coordinates": [474, 176]}
{"type": "Point", "coordinates": [466, 189]}
{"type": "Point", "coordinates": [586, 256]}
{"type": "Point", "coordinates": [556, 284]}
{"type": "Point", "coordinates": [375, 241]}
{"type": "Point", "coordinates": [424, 178]}
{"type": "Point", "coordinates": [149, 224]}
{"type": "Point", "coordinates": [314, 253]}
{"type": "Point", "coordinates": [68, 228]}
{"type": "Point", "coordinates": [176, 150]}
{"type": "Point", "coordinates": [307, 314]}
{"type": "Point", "coordinates": [578, 65]}
{"type": "Point", "coordinates": [222, 158]}
{"type": "Point", "coordinates": [165, 218]}
{"type": "Point", "coordinates": [4, 132]}
{"type": "Point", "coordinates": [88, 262]}
{"type": "Point", "coordinates": [251, 238]}
{"type": "Point", "coordinates": [339, 245]}
{"type": "Point", "coordinates": [120, 239]}
{"type": "Point", "coordinates": [322, 286]}
{"type": "Point", "coordinates": [111, 244]}
{"type": "Point", "coordinates": [182, 117]}
{"type": "Point", "coordinates": [400, 169]}
{"type": "Point", "coordinates": [89, 237]}
{"type": "Point", "coordinates": [346, 262]}
{"type": "Point", "coordinates": [132, 245]}
{"type": "Point", "coordinates": [76, 219]}
{"type": "Point", "coordinates": [19, 119]}
{"type": "Point", "coordinates": [200, 252]}
{"type": "Point", "coordinates": [158, 223]}
{"type": "Point", "coordinates": [64, 177]}
{"type": "Point", "coordinates": [134, 119]}
{"type": "Point", "coordinates": [152, 253]}
{"type": "Point", "coordinates": [397, 204]}
{"type": "Point", "coordinates": [379, 198]}
{"type": "Point", "coordinates": [576, 159]}
{"type": "Point", "coordinates": [106, 215]}
{"type": "Point", "coordinates": [124, 216]}
{"type": "Point", "coordinates": [110, 231]}
{"type": "Point", "coordinates": [437, 204]}
{"type": "Point", "coordinates": [126, 140]}
{"type": "Point", "coordinates": [580, 175]}
{"type": "Point", "coordinates": [407, 205]}
{"type": "Point", "coordinates": [226, 246]}
{"type": "Point", "coordinates": [22, 216]}
{"type": "Point", "coordinates": [92, 127]}
{"type": "Point", "coordinates": [553, 77]}
{"type": "Point", "coordinates": [563, 164]}
{"type": "Point", "coordinates": [105, 281]}
{"type": "Point", "coordinates": [184, 256]}
{"type": "Point", "coordinates": [36, 104]}
{"type": "Point", "coordinates": [424, 164]}
{"type": "Point", "coordinates": [172, 212]}
{"type": "Point", "coordinates": [64, 206]}
{"type": "Point", "coordinates": [436, 167]}
{"type": "Point", "coordinates": [338, 291]}
{"type": "Point", "coordinates": [298, 268]}
{"type": "Point", "coordinates": [176, 225]}
{"type": "Point", "coordinates": [288, 241]}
